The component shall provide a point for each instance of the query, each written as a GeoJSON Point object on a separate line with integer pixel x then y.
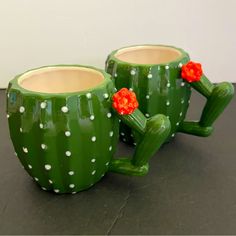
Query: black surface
{"type": "Point", "coordinates": [191, 189]}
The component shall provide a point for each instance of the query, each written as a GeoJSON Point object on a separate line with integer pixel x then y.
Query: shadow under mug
{"type": "Point", "coordinates": [153, 72]}
{"type": "Point", "coordinates": [65, 131]}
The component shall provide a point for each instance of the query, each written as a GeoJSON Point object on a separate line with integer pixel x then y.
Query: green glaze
{"type": "Point", "coordinates": [66, 141]}
{"type": "Point", "coordinates": [218, 97]}
{"type": "Point", "coordinates": [150, 134]}
{"type": "Point", "coordinates": [161, 90]}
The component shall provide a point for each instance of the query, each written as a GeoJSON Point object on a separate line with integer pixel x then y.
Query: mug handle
{"type": "Point", "coordinates": [218, 97]}
{"type": "Point", "coordinates": [151, 134]}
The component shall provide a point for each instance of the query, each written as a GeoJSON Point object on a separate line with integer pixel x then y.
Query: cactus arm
{"type": "Point", "coordinates": [136, 121]}
{"type": "Point", "coordinates": [203, 86]}
{"type": "Point", "coordinates": [218, 97]}
{"type": "Point", "coordinates": [157, 130]}
{"type": "Point", "coordinates": [153, 133]}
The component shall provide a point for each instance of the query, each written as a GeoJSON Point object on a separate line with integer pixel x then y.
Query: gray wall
{"type": "Point", "coordinates": [40, 32]}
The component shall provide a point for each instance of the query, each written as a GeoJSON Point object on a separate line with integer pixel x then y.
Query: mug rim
{"type": "Point", "coordinates": [14, 83]}
{"type": "Point", "coordinates": [183, 55]}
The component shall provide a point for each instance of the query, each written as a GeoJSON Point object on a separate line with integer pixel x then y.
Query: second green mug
{"type": "Point", "coordinates": [162, 77]}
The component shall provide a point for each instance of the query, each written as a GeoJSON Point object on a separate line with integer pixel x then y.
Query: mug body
{"type": "Point", "coordinates": [153, 72]}
{"type": "Point", "coordinates": [61, 125]}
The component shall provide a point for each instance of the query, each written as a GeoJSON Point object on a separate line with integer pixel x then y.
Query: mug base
{"type": "Point", "coordinates": [60, 192]}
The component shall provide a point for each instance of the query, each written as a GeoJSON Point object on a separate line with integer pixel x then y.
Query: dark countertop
{"type": "Point", "coordinates": [190, 189]}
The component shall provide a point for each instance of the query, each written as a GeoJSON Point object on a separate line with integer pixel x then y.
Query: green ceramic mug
{"type": "Point", "coordinates": [65, 130]}
{"type": "Point", "coordinates": [155, 73]}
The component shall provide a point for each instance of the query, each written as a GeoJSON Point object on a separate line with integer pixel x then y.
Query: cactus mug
{"type": "Point", "coordinates": [162, 77]}
{"type": "Point", "coordinates": [64, 125]}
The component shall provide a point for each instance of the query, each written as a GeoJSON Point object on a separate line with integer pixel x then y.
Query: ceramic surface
{"type": "Point", "coordinates": [153, 72]}
{"type": "Point", "coordinates": [66, 140]}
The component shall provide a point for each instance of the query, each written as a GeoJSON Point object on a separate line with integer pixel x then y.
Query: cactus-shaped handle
{"type": "Point", "coordinates": [151, 134]}
{"type": "Point", "coordinates": [218, 97]}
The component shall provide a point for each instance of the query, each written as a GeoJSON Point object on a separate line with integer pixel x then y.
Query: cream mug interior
{"type": "Point", "coordinates": [61, 79]}
{"type": "Point", "coordinates": [148, 54]}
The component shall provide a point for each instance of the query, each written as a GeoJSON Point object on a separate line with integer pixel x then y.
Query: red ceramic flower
{"type": "Point", "coordinates": [125, 101]}
{"type": "Point", "coordinates": [191, 71]}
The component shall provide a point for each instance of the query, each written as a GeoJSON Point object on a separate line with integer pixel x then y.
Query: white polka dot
{"type": "Point", "coordinates": [122, 134]}
{"type": "Point", "coordinates": [168, 85]}
{"type": "Point", "coordinates": [111, 133]}
{"type": "Point", "coordinates": [132, 72]}
{"type": "Point", "coordinates": [92, 117]}
{"type": "Point", "coordinates": [147, 115]}
{"type": "Point", "coordinates": [64, 109]}
{"type": "Point", "coordinates": [167, 103]}
{"type": "Point", "coordinates": [115, 75]}
{"type": "Point", "coordinates": [68, 153]}
{"type": "Point", "coordinates": [124, 139]}
{"type": "Point", "coordinates": [182, 101]}
{"type": "Point", "coordinates": [50, 181]}
{"type": "Point", "coordinates": [73, 192]}
{"type": "Point", "coordinates": [43, 146]}
{"type": "Point", "coordinates": [41, 126]}
{"type": "Point", "coordinates": [119, 120]}
{"type": "Point", "coordinates": [180, 65]}
{"type": "Point", "coordinates": [109, 115]}
{"type": "Point", "coordinates": [173, 135]}
{"type": "Point", "coordinates": [110, 148]}
{"type": "Point", "coordinates": [182, 84]}
{"type": "Point", "coordinates": [131, 89]}
{"type": "Point", "coordinates": [71, 172]}
{"type": "Point", "coordinates": [93, 139]}
{"type": "Point", "coordinates": [43, 188]}
{"type": "Point", "coordinates": [147, 96]}
{"type": "Point", "coordinates": [25, 149]}
{"type": "Point", "coordinates": [22, 109]}
{"type": "Point", "coordinates": [47, 167]}
{"type": "Point", "coordinates": [30, 167]}
{"type": "Point", "coordinates": [93, 160]}
{"type": "Point", "coordinates": [177, 123]}
{"type": "Point", "coordinates": [105, 95]}
{"type": "Point", "coordinates": [167, 67]}
{"type": "Point", "coordinates": [135, 144]}
{"type": "Point", "coordinates": [56, 190]}
{"type": "Point", "coordinates": [36, 179]}
{"type": "Point", "coordinates": [107, 163]}
{"type": "Point", "coordinates": [71, 185]}
{"type": "Point", "coordinates": [21, 130]}
{"type": "Point", "coordinates": [93, 172]}
{"type": "Point", "coordinates": [88, 95]}
{"type": "Point", "coordinates": [149, 76]}
{"type": "Point", "coordinates": [43, 105]}
{"type": "Point", "coordinates": [67, 133]}
{"type": "Point", "coordinates": [180, 114]}
{"type": "Point", "coordinates": [8, 116]}
{"type": "Point", "coordinates": [131, 135]}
